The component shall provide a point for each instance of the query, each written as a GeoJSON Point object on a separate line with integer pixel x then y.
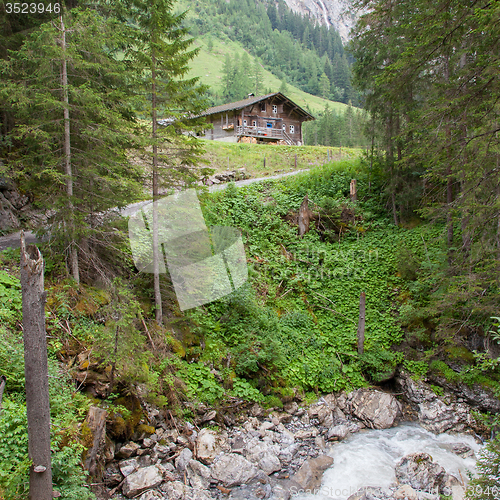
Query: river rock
{"type": "Point", "coordinates": [232, 469]}
{"type": "Point", "coordinates": [141, 480]}
{"type": "Point", "coordinates": [269, 463]}
{"type": "Point", "coordinates": [325, 416]}
{"type": "Point", "coordinates": [175, 490]}
{"type": "Point", "coordinates": [311, 471]}
{"type": "Point", "coordinates": [462, 450]}
{"type": "Point", "coordinates": [128, 466]}
{"type": "Point", "coordinates": [198, 475]}
{"type": "Point", "coordinates": [376, 409]}
{"type": "Point", "coordinates": [151, 495]}
{"type": "Point", "coordinates": [420, 472]}
{"type": "Point", "coordinates": [183, 459]}
{"type": "Point", "coordinates": [256, 449]}
{"type": "Point", "coordinates": [405, 492]}
{"type": "Point", "coordinates": [127, 450]}
{"type": "Point", "coordinates": [437, 417]}
{"type": "Point", "coordinates": [209, 444]}
{"type": "Point", "coordinates": [337, 432]}
{"type": "Point", "coordinates": [112, 475]}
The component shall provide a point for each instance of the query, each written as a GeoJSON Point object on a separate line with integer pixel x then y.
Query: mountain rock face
{"type": "Point", "coordinates": [337, 13]}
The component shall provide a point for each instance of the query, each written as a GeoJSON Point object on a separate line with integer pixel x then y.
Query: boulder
{"type": "Point", "coordinates": [269, 463]}
{"type": "Point", "coordinates": [198, 475]}
{"type": "Point", "coordinates": [151, 495]}
{"type": "Point", "coordinates": [232, 469]}
{"type": "Point", "coordinates": [256, 449]}
{"type": "Point", "coordinates": [175, 490]}
{"type": "Point", "coordinates": [128, 466]}
{"type": "Point", "coordinates": [127, 450]}
{"type": "Point", "coordinates": [112, 475]}
{"type": "Point", "coordinates": [378, 410]}
{"type": "Point", "coordinates": [325, 416]}
{"type": "Point", "coordinates": [306, 433]}
{"type": "Point", "coordinates": [337, 432]}
{"type": "Point", "coordinates": [437, 417]}
{"type": "Point", "coordinates": [405, 492]}
{"type": "Point", "coordinates": [420, 472]}
{"type": "Point", "coordinates": [142, 480]}
{"type": "Point", "coordinates": [311, 471]}
{"type": "Point", "coordinates": [183, 459]}
{"type": "Point", "coordinates": [209, 444]}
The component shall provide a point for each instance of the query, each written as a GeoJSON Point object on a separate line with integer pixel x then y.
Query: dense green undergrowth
{"type": "Point", "coordinates": [289, 331]}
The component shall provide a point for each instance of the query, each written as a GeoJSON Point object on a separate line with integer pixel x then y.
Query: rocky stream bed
{"type": "Point", "coordinates": [282, 454]}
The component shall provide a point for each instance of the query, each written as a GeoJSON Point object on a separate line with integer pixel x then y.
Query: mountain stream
{"type": "Point", "coordinates": [369, 458]}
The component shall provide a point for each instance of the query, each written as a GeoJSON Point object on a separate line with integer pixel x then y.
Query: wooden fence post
{"type": "Point", "coordinates": [361, 324]}
{"type": "Point", "coordinates": [354, 193]}
{"type": "Point", "coordinates": [36, 372]}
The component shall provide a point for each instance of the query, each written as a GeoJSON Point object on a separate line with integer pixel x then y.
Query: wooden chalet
{"type": "Point", "coordinates": [272, 118]}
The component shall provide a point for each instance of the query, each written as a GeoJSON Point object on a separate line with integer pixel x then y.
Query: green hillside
{"type": "Point", "coordinates": [208, 67]}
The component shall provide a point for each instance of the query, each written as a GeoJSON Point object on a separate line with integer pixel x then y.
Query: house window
{"type": "Point", "coordinates": [254, 123]}
{"type": "Point", "coordinates": [275, 108]}
{"type": "Point", "coordinates": [262, 106]}
{"type": "Point", "coordinates": [292, 129]}
{"type": "Point", "coordinates": [244, 123]}
{"type": "Point", "coordinates": [284, 127]}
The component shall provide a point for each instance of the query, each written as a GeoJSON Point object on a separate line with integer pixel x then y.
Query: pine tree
{"type": "Point", "coordinates": [72, 124]}
{"type": "Point", "coordinates": [160, 58]}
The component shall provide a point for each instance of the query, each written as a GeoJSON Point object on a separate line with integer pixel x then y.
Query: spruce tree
{"type": "Point", "coordinates": [72, 125]}
{"type": "Point", "coordinates": [160, 58]}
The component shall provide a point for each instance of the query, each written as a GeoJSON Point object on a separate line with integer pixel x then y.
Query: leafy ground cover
{"type": "Point", "coordinates": [290, 330]}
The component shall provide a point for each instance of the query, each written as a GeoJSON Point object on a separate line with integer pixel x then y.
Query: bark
{"type": "Point", "coordinates": [304, 216]}
{"type": "Point", "coordinates": [156, 249]}
{"type": "Point", "coordinates": [73, 251]}
{"type": "Point", "coordinates": [3, 382]}
{"type": "Point", "coordinates": [361, 324]}
{"type": "Point", "coordinates": [96, 423]}
{"type": "Point", "coordinates": [36, 372]}
{"type": "Point", "coordinates": [354, 193]}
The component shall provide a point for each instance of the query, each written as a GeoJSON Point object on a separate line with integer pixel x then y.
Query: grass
{"type": "Point", "coordinates": [223, 156]}
{"type": "Point", "coordinates": [208, 67]}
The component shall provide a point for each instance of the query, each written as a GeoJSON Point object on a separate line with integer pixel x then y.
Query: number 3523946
{"type": "Point", "coordinates": [32, 8]}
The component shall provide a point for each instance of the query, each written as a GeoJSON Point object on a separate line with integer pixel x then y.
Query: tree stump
{"type": "Point", "coordinates": [36, 372]}
{"type": "Point", "coordinates": [95, 424]}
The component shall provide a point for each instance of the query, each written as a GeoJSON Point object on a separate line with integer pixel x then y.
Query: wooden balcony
{"type": "Point", "coordinates": [264, 133]}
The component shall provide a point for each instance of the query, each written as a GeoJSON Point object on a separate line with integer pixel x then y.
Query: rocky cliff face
{"type": "Point", "coordinates": [337, 13]}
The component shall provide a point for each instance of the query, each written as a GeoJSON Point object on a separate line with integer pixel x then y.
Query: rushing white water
{"type": "Point", "coordinates": [369, 457]}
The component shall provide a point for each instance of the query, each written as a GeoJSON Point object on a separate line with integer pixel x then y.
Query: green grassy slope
{"type": "Point", "coordinates": [208, 67]}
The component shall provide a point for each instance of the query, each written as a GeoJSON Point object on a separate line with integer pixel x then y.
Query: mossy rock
{"type": "Point", "coordinates": [460, 353]}
{"type": "Point", "coordinates": [125, 414]}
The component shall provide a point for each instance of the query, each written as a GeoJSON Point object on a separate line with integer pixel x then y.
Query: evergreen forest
{"type": "Point", "coordinates": [371, 256]}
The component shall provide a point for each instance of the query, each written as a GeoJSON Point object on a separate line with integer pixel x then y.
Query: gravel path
{"type": "Point", "coordinates": [13, 240]}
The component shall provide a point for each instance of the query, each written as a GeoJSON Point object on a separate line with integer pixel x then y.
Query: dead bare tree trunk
{"type": "Point", "coordinates": [36, 372]}
{"type": "Point", "coordinates": [304, 216]}
{"type": "Point", "coordinates": [361, 324]}
{"type": "Point", "coordinates": [96, 422]}
{"type": "Point", "coordinates": [3, 381]}
{"type": "Point", "coordinates": [354, 193]}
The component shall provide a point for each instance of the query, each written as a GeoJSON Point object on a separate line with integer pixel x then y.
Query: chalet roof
{"type": "Point", "coordinates": [232, 106]}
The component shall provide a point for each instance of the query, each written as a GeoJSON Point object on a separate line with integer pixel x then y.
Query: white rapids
{"type": "Point", "coordinates": [369, 457]}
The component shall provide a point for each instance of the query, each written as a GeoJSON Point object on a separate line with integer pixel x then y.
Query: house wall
{"type": "Point", "coordinates": [284, 114]}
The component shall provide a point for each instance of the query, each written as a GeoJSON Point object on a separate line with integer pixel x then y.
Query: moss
{"type": "Point", "coordinates": [460, 353]}
{"type": "Point", "coordinates": [124, 416]}
{"type": "Point", "coordinates": [272, 402]}
{"type": "Point", "coordinates": [145, 429]}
